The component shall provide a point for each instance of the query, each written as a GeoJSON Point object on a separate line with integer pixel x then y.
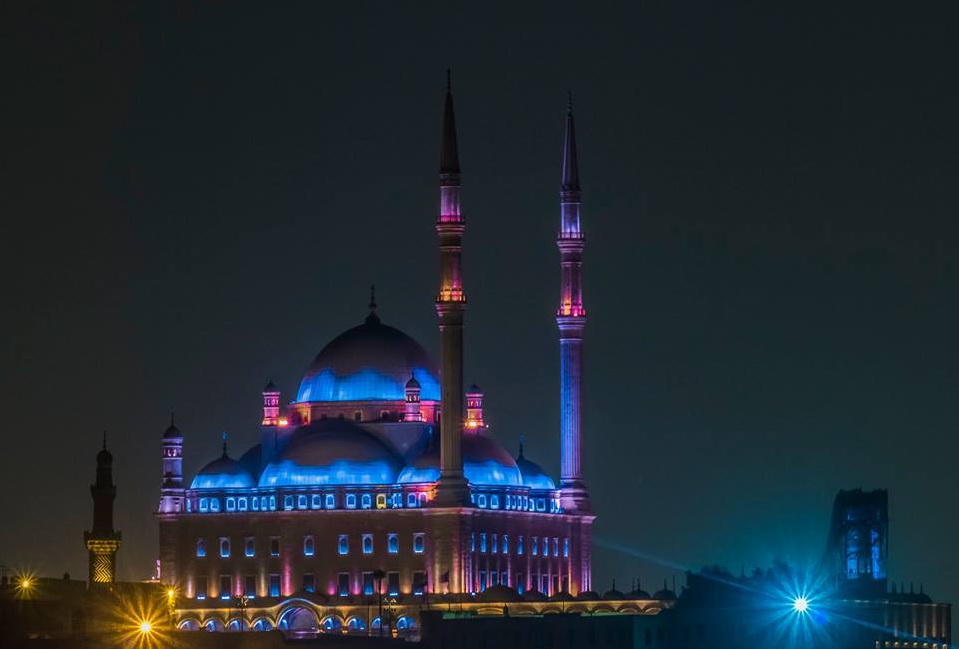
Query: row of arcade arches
{"type": "Point", "coordinates": [299, 620]}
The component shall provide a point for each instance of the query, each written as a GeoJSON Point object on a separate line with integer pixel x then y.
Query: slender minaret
{"type": "Point", "coordinates": [102, 540]}
{"type": "Point", "coordinates": [452, 489]}
{"type": "Point", "coordinates": [412, 390]}
{"type": "Point", "coordinates": [571, 319]}
{"type": "Point", "coordinates": [171, 491]}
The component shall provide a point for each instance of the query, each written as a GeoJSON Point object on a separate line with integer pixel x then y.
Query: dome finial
{"type": "Point", "coordinates": [372, 318]}
{"type": "Point", "coordinates": [522, 439]}
{"type": "Point", "coordinates": [104, 440]}
{"type": "Point", "coordinates": [224, 443]}
{"type": "Point", "coordinates": [172, 424]}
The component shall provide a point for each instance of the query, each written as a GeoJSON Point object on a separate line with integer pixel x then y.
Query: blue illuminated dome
{"type": "Point", "coordinates": [371, 362]}
{"type": "Point", "coordinates": [533, 475]}
{"type": "Point", "coordinates": [223, 473]}
{"type": "Point", "coordinates": [485, 463]}
{"type": "Point", "coordinates": [332, 452]}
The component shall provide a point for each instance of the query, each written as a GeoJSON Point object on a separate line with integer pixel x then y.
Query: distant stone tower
{"type": "Point", "coordinates": [171, 491]}
{"type": "Point", "coordinates": [103, 541]}
{"type": "Point", "coordinates": [858, 543]}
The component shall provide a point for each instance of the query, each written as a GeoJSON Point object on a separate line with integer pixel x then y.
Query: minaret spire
{"type": "Point", "coordinates": [102, 540]}
{"type": "Point", "coordinates": [452, 489]}
{"type": "Point", "coordinates": [571, 320]}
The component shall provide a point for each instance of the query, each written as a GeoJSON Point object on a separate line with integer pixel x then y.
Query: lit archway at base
{"type": "Point", "coordinates": [262, 624]}
{"type": "Point", "coordinates": [189, 624]}
{"type": "Point", "coordinates": [298, 620]}
{"type": "Point", "coordinates": [331, 624]}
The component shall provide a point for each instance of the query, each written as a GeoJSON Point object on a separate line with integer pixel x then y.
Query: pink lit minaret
{"type": "Point", "coordinates": [571, 319]}
{"type": "Point", "coordinates": [452, 489]}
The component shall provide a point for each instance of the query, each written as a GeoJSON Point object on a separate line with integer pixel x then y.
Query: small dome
{"type": "Point", "coordinates": [172, 432]}
{"type": "Point", "coordinates": [371, 362]}
{"type": "Point", "coordinates": [534, 595]}
{"type": "Point", "coordinates": [485, 463]}
{"type": "Point", "coordinates": [588, 595]}
{"type": "Point", "coordinates": [500, 593]}
{"type": "Point", "coordinates": [664, 593]}
{"type": "Point", "coordinates": [533, 475]}
{"type": "Point", "coordinates": [613, 594]}
{"type": "Point", "coordinates": [638, 593]}
{"type": "Point", "coordinates": [223, 473]}
{"type": "Point", "coordinates": [412, 384]}
{"type": "Point", "coordinates": [104, 457]}
{"type": "Point", "coordinates": [270, 387]}
{"type": "Point", "coordinates": [562, 596]}
{"type": "Point", "coordinates": [332, 452]}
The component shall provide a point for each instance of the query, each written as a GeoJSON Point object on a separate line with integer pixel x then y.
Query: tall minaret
{"type": "Point", "coordinates": [452, 489]}
{"type": "Point", "coordinates": [103, 541]}
{"type": "Point", "coordinates": [571, 319]}
{"type": "Point", "coordinates": [171, 490]}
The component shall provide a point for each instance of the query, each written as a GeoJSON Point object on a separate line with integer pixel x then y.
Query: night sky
{"type": "Point", "coordinates": [197, 197]}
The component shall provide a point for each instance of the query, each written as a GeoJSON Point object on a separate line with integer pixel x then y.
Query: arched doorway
{"type": "Point", "coordinates": [189, 624]}
{"type": "Point", "coordinates": [298, 621]}
{"type": "Point", "coordinates": [237, 624]}
{"type": "Point", "coordinates": [331, 624]}
{"type": "Point", "coordinates": [213, 624]}
{"type": "Point", "coordinates": [262, 624]}
{"type": "Point", "coordinates": [356, 625]}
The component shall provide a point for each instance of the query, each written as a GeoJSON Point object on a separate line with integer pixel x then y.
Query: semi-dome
{"type": "Point", "coordinates": [533, 475]}
{"type": "Point", "coordinates": [332, 452]}
{"type": "Point", "coordinates": [485, 463]}
{"type": "Point", "coordinates": [223, 473]}
{"type": "Point", "coordinates": [371, 362]}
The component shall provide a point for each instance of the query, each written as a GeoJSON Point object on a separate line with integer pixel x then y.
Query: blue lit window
{"type": "Point", "coordinates": [366, 501]}
{"type": "Point", "coordinates": [272, 503]}
{"type": "Point", "coordinates": [250, 589]}
{"type": "Point", "coordinates": [189, 505]}
{"type": "Point", "coordinates": [541, 504]}
{"type": "Point", "coordinates": [287, 503]}
{"type": "Point", "coordinates": [506, 544]}
{"type": "Point", "coordinates": [343, 544]}
{"type": "Point", "coordinates": [201, 587]}
{"type": "Point", "coordinates": [520, 543]}
{"type": "Point", "coordinates": [301, 502]}
{"type": "Point", "coordinates": [565, 546]}
{"type": "Point", "coordinates": [481, 500]}
{"type": "Point", "coordinates": [367, 583]}
{"type": "Point", "coordinates": [214, 504]}
{"type": "Point", "coordinates": [231, 504]}
{"type": "Point", "coordinates": [275, 546]}
{"type": "Point", "coordinates": [343, 584]}
{"type": "Point", "coordinates": [367, 544]}
{"type": "Point", "coordinates": [255, 504]}
{"type": "Point", "coordinates": [545, 546]}
{"type": "Point", "coordinates": [534, 545]}
{"type": "Point", "coordinates": [274, 586]}
{"type": "Point", "coordinates": [330, 501]}
{"type": "Point", "coordinates": [351, 501]}
{"type": "Point", "coordinates": [308, 546]}
{"type": "Point", "coordinates": [411, 500]}
{"type": "Point", "coordinates": [392, 543]}
{"type": "Point", "coordinates": [226, 587]}
{"type": "Point", "coordinates": [472, 542]}
{"type": "Point", "coordinates": [419, 582]}
{"type": "Point", "coordinates": [493, 578]}
{"type": "Point", "coordinates": [393, 583]}
{"type": "Point", "coordinates": [483, 542]}
{"type": "Point", "coordinates": [200, 548]}
{"type": "Point", "coordinates": [309, 584]}
{"type": "Point", "coordinates": [555, 546]}
{"type": "Point", "coordinates": [419, 542]}
{"type": "Point", "coordinates": [504, 578]}
{"type": "Point", "coordinates": [482, 576]}
{"type": "Point", "coordinates": [494, 543]}
{"type": "Point", "coordinates": [317, 502]}
{"type": "Point", "coordinates": [494, 501]}
{"type": "Point", "coordinates": [241, 504]}
{"type": "Point", "coordinates": [250, 549]}
{"type": "Point", "coordinates": [224, 547]}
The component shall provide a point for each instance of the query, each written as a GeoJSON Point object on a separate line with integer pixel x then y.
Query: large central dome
{"type": "Point", "coordinates": [371, 362]}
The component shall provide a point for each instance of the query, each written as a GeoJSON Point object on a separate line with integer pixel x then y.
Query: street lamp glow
{"type": "Point", "coordinates": [145, 626]}
{"type": "Point", "coordinates": [800, 605]}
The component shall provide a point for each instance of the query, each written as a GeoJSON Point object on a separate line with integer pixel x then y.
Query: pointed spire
{"type": "Point", "coordinates": [522, 439]}
{"type": "Point", "coordinates": [449, 153]}
{"type": "Point", "coordinates": [372, 318]}
{"type": "Point", "coordinates": [570, 161]}
{"type": "Point", "coordinates": [224, 443]}
{"type": "Point", "coordinates": [104, 440]}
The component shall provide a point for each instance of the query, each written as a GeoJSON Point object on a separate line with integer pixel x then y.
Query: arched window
{"type": "Point", "coordinates": [366, 501]}
{"type": "Point", "coordinates": [410, 500]}
{"type": "Point", "coordinates": [419, 542]}
{"type": "Point", "coordinates": [308, 546]}
{"type": "Point", "coordinates": [381, 501]}
{"type": "Point", "coordinates": [200, 547]}
{"type": "Point", "coordinates": [392, 543]}
{"type": "Point", "coordinates": [330, 501]}
{"type": "Point", "coordinates": [224, 547]}
{"type": "Point", "coordinates": [367, 544]}
{"type": "Point", "coordinates": [343, 544]}
{"type": "Point", "coordinates": [316, 502]}
{"type": "Point", "coordinates": [351, 501]}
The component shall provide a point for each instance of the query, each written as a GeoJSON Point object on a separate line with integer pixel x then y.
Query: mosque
{"type": "Point", "coordinates": [378, 479]}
